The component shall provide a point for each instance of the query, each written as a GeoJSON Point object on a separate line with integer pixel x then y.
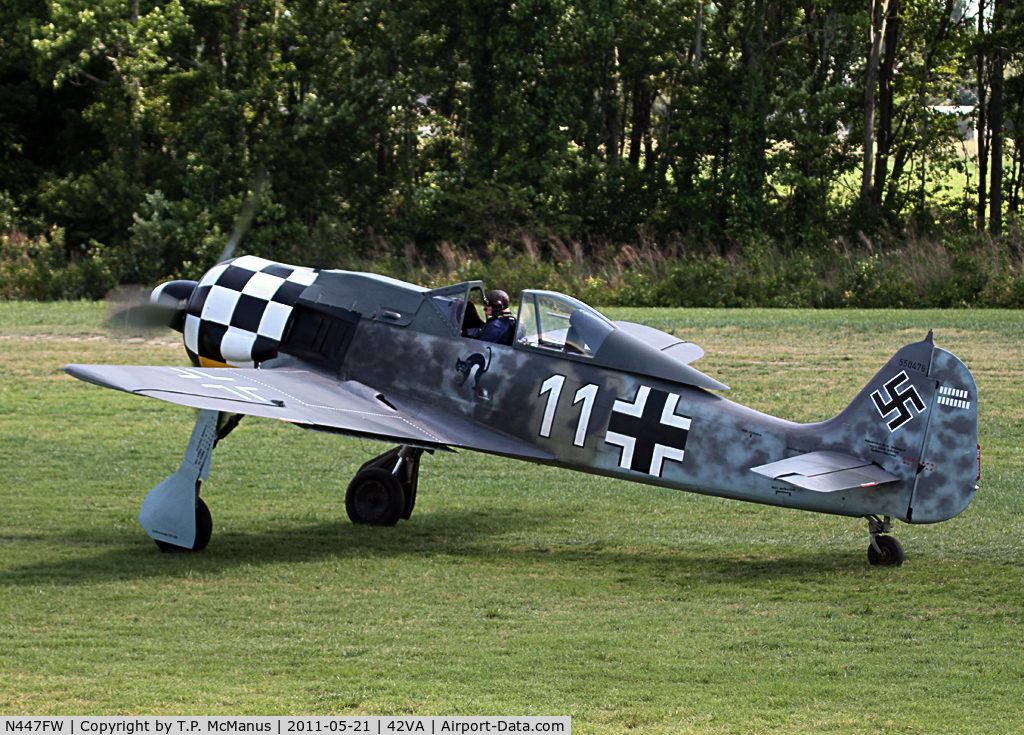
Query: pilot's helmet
{"type": "Point", "coordinates": [497, 300]}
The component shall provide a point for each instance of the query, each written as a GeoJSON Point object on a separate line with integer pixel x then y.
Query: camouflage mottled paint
{"type": "Point", "coordinates": [724, 440]}
{"type": "Point", "coordinates": [944, 484]}
{"type": "Point", "coordinates": [916, 419]}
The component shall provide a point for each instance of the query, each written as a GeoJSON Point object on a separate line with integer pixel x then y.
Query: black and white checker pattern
{"type": "Point", "coordinates": [238, 313]}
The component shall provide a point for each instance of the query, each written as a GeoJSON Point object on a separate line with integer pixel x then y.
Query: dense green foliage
{"type": "Point", "coordinates": [131, 130]}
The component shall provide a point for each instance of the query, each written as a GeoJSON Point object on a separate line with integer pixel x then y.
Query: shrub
{"type": "Point", "coordinates": [1004, 290]}
{"type": "Point", "coordinates": [38, 269]}
{"type": "Point", "coordinates": [950, 273]}
{"type": "Point", "coordinates": [766, 278]}
{"type": "Point", "coordinates": [967, 279]}
{"type": "Point", "coordinates": [699, 282]}
{"type": "Point", "coordinates": [876, 283]}
{"type": "Point", "coordinates": [634, 289]}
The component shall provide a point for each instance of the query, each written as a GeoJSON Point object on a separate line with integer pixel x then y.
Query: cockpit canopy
{"type": "Point", "coordinates": [548, 323]}
{"type": "Point", "coordinates": [554, 322]}
{"type": "Point", "coordinates": [557, 322]}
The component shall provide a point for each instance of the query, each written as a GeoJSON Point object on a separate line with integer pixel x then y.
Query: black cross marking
{"type": "Point", "coordinates": [646, 437]}
{"type": "Point", "coordinates": [895, 401]}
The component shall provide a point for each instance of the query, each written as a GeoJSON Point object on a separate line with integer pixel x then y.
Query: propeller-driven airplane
{"type": "Point", "coordinates": [363, 355]}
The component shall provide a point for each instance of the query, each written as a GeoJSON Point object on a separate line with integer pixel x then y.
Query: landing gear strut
{"type": "Point", "coordinates": [173, 514]}
{"type": "Point", "coordinates": [384, 489]}
{"type": "Point", "coordinates": [883, 551]}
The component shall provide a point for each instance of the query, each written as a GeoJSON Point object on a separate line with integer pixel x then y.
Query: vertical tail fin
{"type": "Point", "coordinates": [918, 419]}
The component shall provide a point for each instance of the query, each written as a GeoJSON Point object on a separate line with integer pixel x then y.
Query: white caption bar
{"type": "Point", "coordinates": [280, 725]}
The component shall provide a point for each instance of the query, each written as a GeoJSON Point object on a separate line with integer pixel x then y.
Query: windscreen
{"type": "Point", "coordinates": [556, 322]}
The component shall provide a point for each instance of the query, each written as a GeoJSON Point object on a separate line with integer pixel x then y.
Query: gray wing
{"type": "Point", "coordinates": [310, 400]}
{"type": "Point", "coordinates": [826, 472]}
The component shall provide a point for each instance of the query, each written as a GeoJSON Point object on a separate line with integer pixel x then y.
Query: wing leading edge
{"type": "Point", "coordinates": [309, 400]}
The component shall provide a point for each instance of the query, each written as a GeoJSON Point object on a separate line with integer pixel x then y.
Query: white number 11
{"type": "Point", "coordinates": [553, 387]}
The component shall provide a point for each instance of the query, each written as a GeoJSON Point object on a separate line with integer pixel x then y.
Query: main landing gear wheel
{"type": "Point", "coordinates": [403, 464]}
{"type": "Point", "coordinates": [204, 530]}
{"type": "Point", "coordinates": [375, 498]}
{"type": "Point", "coordinates": [889, 552]}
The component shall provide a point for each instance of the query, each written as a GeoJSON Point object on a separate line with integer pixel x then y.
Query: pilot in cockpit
{"type": "Point", "coordinates": [501, 322]}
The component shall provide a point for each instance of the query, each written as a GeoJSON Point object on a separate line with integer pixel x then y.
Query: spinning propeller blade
{"type": "Point", "coordinates": [246, 215]}
{"type": "Point", "coordinates": [134, 308]}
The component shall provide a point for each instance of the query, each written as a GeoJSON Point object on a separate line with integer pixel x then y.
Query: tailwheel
{"type": "Point", "coordinates": [883, 551]}
{"type": "Point", "coordinates": [375, 498]}
{"type": "Point", "coordinates": [204, 530]}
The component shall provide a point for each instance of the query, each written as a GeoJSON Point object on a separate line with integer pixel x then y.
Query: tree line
{"type": "Point", "coordinates": [132, 131]}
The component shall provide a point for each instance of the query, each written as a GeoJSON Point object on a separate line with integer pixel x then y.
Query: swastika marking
{"type": "Point", "coordinates": [896, 400]}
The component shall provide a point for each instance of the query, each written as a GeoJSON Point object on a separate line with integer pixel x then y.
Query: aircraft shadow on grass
{"type": "Point", "coordinates": [457, 534]}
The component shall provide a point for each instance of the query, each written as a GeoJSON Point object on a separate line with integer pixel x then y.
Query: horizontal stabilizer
{"type": "Point", "coordinates": [685, 352]}
{"type": "Point", "coordinates": [826, 472]}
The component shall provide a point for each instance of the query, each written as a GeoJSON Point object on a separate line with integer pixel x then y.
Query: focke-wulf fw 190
{"type": "Point", "coordinates": [367, 356]}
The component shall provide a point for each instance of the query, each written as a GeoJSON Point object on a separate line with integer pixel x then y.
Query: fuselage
{"type": "Point", "coordinates": [608, 422]}
{"type": "Point", "coordinates": [611, 405]}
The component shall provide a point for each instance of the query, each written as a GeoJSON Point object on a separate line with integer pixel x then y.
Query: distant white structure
{"type": "Point", "coordinates": [967, 119]}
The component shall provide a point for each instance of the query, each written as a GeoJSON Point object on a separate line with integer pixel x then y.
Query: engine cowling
{"type": "Point", "coordinates": [237, 314]}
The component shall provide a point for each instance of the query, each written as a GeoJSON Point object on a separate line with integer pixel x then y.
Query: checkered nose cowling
{"type": "Point", "coordinates": [238, 312]}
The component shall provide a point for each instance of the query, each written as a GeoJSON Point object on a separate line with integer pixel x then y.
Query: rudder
{"type": "Point", "coordinates": [947, 480]}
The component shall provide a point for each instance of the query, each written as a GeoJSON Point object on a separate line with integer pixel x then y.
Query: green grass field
{"type": "Point", "coordinates": [514, 589]}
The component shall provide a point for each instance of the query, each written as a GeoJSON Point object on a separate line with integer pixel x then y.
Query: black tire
{"type": "Point", "coordinates": [375, 498]}
{"type": "Point", "coordinates": [892, 552]}
{"type": "Point", "coordinates": [204, 530]}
